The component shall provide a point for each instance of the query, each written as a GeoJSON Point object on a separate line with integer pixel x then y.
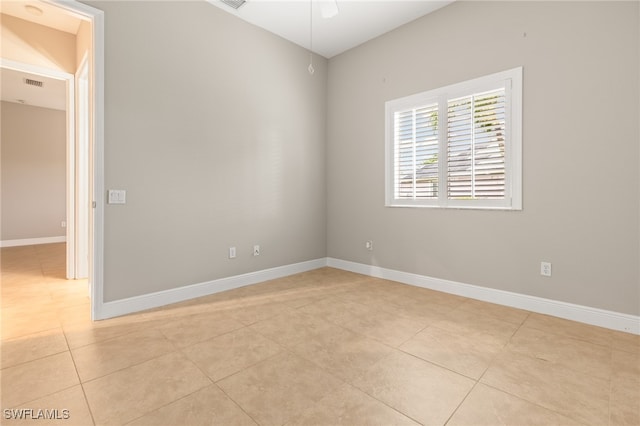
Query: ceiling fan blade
{"type": "Point", "coordinates": [329, 8]}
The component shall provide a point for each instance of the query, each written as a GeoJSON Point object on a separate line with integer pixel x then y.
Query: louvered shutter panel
{"type": "Point", "coordinates": [475, 146]}
{"type": "Point", "coordinates": [427, 152]}
{"type": "Point", "coordinates": [416, 153]}
{"type": "Point", "coordinates": [404, 160]}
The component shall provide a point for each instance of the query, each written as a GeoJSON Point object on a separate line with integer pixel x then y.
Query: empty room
{"type": "Point", "coordinates": [320, 212]}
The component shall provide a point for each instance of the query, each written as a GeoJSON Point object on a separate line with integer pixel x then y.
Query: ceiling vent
{"type": "Point", "coordinates": [31, 82]}
{"type": "Point", "coordinates": [234, 3]}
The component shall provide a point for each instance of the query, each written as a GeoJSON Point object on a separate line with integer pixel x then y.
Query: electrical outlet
{"type": "Point", "coordinates": [369, 245]}
{"type": "Point", "coordinates": [232, 252]}
{"type": "Point", "coordinates": [63, 224]}
{"type": "Point", "coordinates": [256, 250]}
{"type": "Point", "coordinates": [545, 269]}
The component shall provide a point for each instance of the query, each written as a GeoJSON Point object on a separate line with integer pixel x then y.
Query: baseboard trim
{"type": "Point", "coordinates": [585, 314]}
{"type": "Point", "coordinates": [32, 241]}
{"type": "Point", "coordinates": [175, 295]}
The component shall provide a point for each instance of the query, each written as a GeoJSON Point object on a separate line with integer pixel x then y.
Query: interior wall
{"type": "Point", "coordinates": [580, 141]}
{"type": "Point", "coordinates": [215, 129]}
{"type": "Point", "coordinates": [29, 43]}
{"type": "Point", "coordinates": [33, 163]}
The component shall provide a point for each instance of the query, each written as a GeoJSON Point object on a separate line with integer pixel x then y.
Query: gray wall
{"type": "Point", "coordinates": [216, 130]}
{"type": "Point", "coordinates": [33, 145]}
{"type": "Point", "coordinates": [580, 141]}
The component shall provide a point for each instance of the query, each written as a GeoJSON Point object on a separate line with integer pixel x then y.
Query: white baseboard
{"type": "Point", "coordinates": [594, 316]}
{"type": "Point", "coordinates": [32, 241]}
{"type": "Point", "coordinates": [584, 314]}
{"type": "Point", "coordinates": [175, 295]}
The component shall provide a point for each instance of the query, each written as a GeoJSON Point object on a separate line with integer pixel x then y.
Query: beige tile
{"type": "Point", "coordinates": [176, 311]}
{"type": "Point", "coordinates": [467, 354]}
{"type": "Point", "coordinates": [208, 406]}
{"type": "Point", "coordinates": [300, 296]}
{"type": "Point", "coordinates": [370, 297]}
{"type": "Point", "coordinates": [138, 390]}
{"type": "Point", "coordinates": [279, 388]}
{"type": "Point", "coordinates": [337, 310]}
{"type": "Point", "coordinates": [486, 406]}
{"type": "Point", "coordinates": [626, 342]}
{"type": "Point", "coordinates": [578, 355]}
{"type": "Point", "coordinates": [82, 331]}
{"type": "Point", "coordinates": [227, 354]}
{"type": "Point", "coordinates": [30, 294]}
{"type": "Point", "coordinates": [299, 302]}
{"type": "Point", "coordinates": [422, 391]}
{"type": "Point", "coordinates": [625, 388]}
{"type": "Point", "coordinates": [431, 296]}
{"type": "Point", "coordinates": [326, 275]}
{"type": "Point", "coordinates": [503, 313]}
{"type": "Point", "coordinates": [472, 323]}
{"type": "Point", "coordinates": [108, 356]}
{"type": "Point", "coordinates": [34, 379]}
{"type": "Point", "coordinates": [572, 329]}
{"type": "Point", "coordinates": [420, 310]}
{"type": "Point", "coordinates": [33, 346]}
{"type": "Point", "coordinates": [625, 402]}
{"type": "Point", "coordinates": [368, 284]}
{"type": "Point", "coordinates": [344, 354]}
{"type": "Point", "coordinates": [80, 313]}
{"type": "Point", "coordinates": [293, 328]}
{"type": "Point", "coordinates": [197, 328]}
{"type": "Point", "coordinates": [21, 277]}
{"type": "Point", "coordinates": [349, 406]}
{"type": "Point", "coordinates": [305, 312]}
{"type": "Point", "coordinates": [25, 320]}
{"type": "Point", "coordinates": [69, 292]}
{"type": "Point", "coordinates": [251, 313]}
{"type": "Point", "coordinates": [67, 407]}
{"type": "Point", "coordinates": [388, 328]}
{"type": "Point", "coordinates": [626, 364]}
{"type": "Point", "coordinates": [580, 396]}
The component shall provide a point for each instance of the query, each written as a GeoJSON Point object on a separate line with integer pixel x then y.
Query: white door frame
{"type": "Point", "coordinates": [96, 227]}
{"type": "Point", "coordinates": [82, 170]}
{"type": "Point", "coordinates": [70, 147]}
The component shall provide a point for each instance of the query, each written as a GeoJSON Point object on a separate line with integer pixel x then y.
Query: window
{"type": "Point", "coordinates": [457, 146]}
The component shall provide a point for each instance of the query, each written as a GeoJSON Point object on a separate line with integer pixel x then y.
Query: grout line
{"type": "Point", "coordinates": [171, 402]}
{"type": "Point", "coordinates": [461, 402]}
{"type": "Point", "coordinates": [345, 288]}
{"type": "Point", "coordinates": [86, 400]}
{"type": "Point", "coordinates": [237, 404]}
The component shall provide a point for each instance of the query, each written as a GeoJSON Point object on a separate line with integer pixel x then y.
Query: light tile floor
{"type": "Point", "coordinates": [325, 347]}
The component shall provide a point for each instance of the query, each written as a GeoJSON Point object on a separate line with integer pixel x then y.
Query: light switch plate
{"type": "Point", "coordinates": [117, 196]}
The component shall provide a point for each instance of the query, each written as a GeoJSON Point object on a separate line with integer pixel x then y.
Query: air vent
{"type": "Point", "coordinates": [31, 82]}
{"type": "Point", "coordinates": [234, 3]}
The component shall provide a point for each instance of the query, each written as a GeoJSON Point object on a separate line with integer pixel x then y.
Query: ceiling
{"type": "Point", "coordinates": [51, 16]}
{"type": "Point", "coordinates": [52, 94]}
{"type": "Point", "coordinates": [357, 21]}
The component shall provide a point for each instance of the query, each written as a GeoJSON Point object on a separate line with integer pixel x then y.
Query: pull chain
{"type": "Point", "coordinates": [311, 69]}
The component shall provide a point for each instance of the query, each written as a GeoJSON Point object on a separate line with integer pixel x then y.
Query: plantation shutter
{"type": "Point", "coordinates": [416, 153]}
{"type": "Point", "coordinates": [476, 146]}
{"type": "Point", "coordinates": [458, 146]}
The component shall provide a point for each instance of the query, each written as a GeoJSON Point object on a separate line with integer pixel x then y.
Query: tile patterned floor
{"type": "Point", "coordinates": [326, 347]}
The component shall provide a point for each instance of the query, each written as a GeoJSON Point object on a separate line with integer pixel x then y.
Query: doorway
{"type": "Point", "coordinates": [85, 124]}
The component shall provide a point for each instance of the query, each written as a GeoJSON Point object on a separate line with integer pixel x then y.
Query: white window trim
{"type": "Point", "coordinates": [513, 155]}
